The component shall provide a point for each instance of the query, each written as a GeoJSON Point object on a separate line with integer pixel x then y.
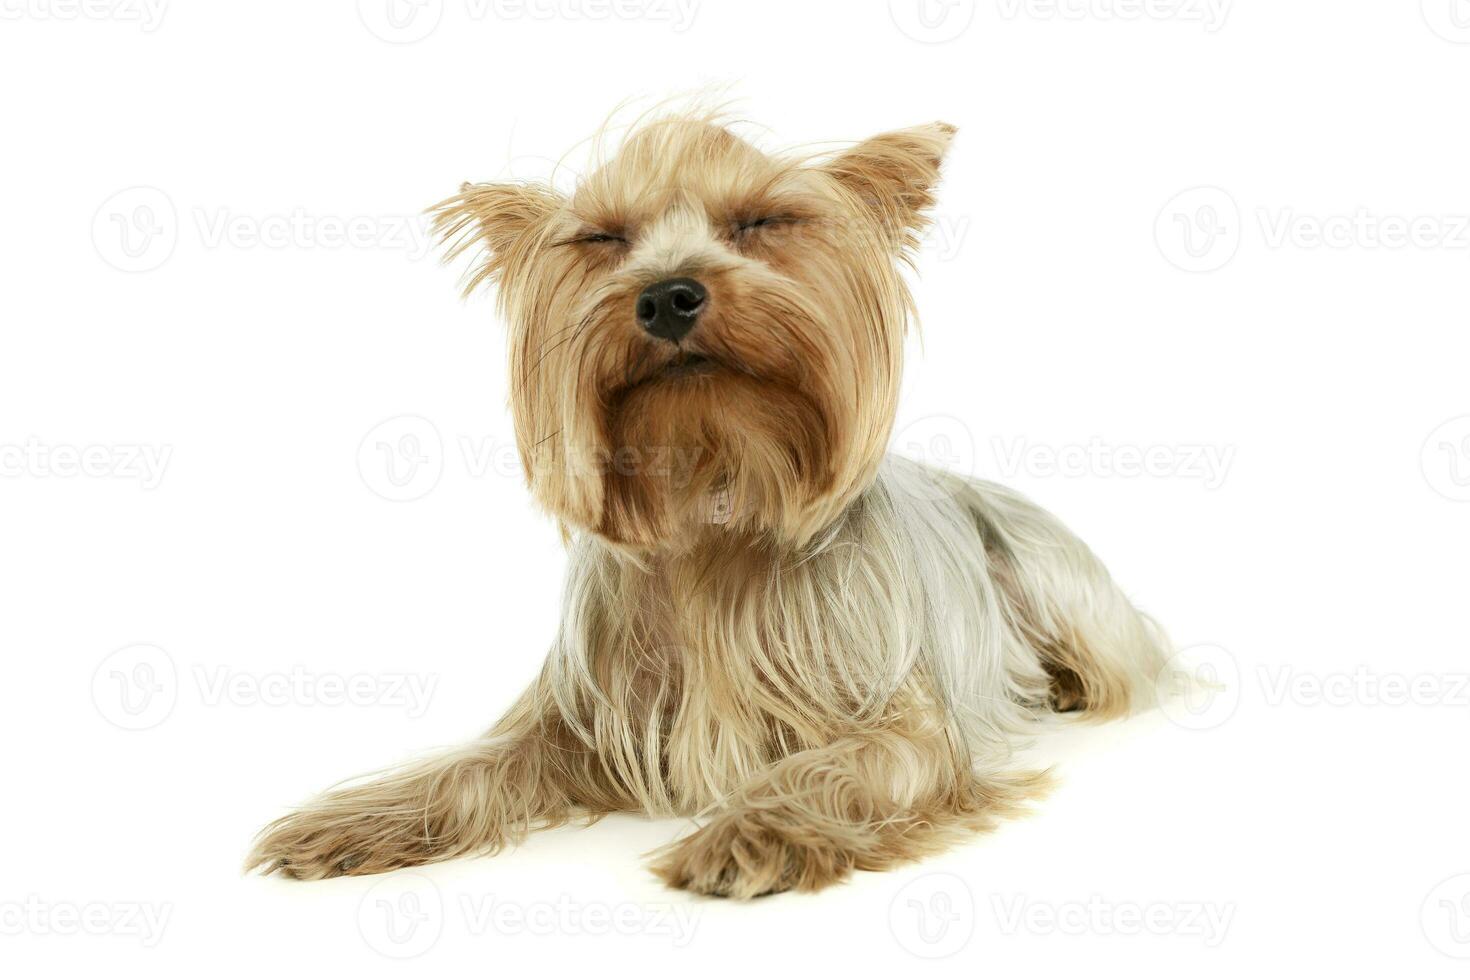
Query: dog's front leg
{"type": "Point", "coordinates": [866, 803]}
{"type": "Point", "coordinates": [475, 799]}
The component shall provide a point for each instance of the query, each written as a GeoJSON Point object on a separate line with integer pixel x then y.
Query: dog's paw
{"type": "Point", "coordinates": [310, 845]}
{"type": "Point", "coordinates": [746, 855]}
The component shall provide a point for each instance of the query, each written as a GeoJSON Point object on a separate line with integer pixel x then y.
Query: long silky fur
{"type": "Point", "coordinates": [835, 677]}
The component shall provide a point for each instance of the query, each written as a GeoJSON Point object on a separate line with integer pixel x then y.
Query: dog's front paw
{"type": "Point", "coordinates": [311, 844]}
{"type": "Point", "coordinates": [753, 853]}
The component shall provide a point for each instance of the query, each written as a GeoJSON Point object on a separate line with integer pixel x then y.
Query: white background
{"type": "Point", "coordinates": [1315, 810]}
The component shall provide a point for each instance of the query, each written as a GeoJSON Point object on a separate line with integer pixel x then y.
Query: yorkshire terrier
{"type": "Point", "coordinates": [827, 652]}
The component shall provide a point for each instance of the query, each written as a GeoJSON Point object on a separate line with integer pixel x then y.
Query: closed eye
{"type": "Point", "coordinates": [765, 222]}
{"type": "Point", "coordinates": [761, 231]}
{"type": "Point", "coordinates": [593, 238]}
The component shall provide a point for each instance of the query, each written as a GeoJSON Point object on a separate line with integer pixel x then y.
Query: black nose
{"type": "Point", "coordinates": [668, 309]}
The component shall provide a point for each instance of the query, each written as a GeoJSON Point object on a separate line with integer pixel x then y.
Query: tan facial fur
{"type": "Point", "coordinates": [803, 329]}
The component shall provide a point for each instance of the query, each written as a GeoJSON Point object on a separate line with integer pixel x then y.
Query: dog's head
{"type": "Point", "coordinates": [703, 333]}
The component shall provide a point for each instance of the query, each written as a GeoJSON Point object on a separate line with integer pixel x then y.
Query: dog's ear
{"type": "Point", "coordinates": [894, 176]}
{"type": "Point", "coordinates": [505, 220]}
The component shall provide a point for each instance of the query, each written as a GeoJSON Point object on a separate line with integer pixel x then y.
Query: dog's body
{"type": "Point", "coordinates": [828, 652]}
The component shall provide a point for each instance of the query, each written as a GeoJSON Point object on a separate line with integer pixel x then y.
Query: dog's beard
{"type": "Point", "coordinates": [700, 442]}
{"type": "Point", "coordinates": [734, 425]}
{"type": "Point", "coordinates": [767, 418]}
